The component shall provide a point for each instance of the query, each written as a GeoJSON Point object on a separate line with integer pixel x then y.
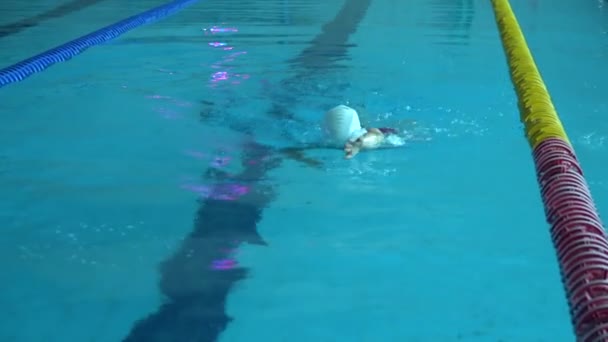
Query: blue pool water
{"type": "Point", "coordinates": [145, 196]}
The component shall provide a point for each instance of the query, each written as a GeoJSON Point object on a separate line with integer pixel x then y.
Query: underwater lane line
{"type": "Point", "coordinates": [196, 280]}
{"type": "Point", "coordinates": [55, 13]}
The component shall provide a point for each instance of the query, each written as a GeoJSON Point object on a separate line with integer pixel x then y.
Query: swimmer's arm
{"type": "Point", "coordinates": [377, 140]}
{"type": "Point", "coordinates": [371, 140]}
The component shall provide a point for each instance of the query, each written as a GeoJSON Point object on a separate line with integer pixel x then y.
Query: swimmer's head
{"type": "Point", "coordinates": [341, 123]}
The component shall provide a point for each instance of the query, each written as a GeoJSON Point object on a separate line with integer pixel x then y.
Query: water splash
{"type": "Point", "coordinates": [593, 140]}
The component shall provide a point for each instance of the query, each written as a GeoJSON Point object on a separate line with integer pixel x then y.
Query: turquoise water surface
{"type": "Point", "coordinates": [146, 195]}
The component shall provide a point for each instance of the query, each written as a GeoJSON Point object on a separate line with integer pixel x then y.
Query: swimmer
{"type": "Point", "coordinates": [343, 130]}
{"type": "Point", "coordinates": [342, 126]}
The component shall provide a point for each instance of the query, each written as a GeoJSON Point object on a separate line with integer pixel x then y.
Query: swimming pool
{"type": "Point", "coordinates": [144, 198]}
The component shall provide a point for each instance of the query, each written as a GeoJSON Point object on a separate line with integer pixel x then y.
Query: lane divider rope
{"type": "Point", "coordinates": [21, 70]}
{"type": "Point", "coordinates": [576, 229]}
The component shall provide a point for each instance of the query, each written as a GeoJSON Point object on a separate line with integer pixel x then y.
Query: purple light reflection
{"type": "Point", "coordinates": [223, 192]}
{"type": "Point", "coordinates": [219, 76]}
{"type": "Point", "coordinates": [217, 29]}
{"type": "Point", "coordinates": [224, 264]}
{"type": "Point", "coordinates": [225, 74]}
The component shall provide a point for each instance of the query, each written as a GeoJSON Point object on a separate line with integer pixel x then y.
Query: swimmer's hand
{"type": "Point", "coordinates": [370, 140]}
{"type": "Point", "coordinates": [351, 148]}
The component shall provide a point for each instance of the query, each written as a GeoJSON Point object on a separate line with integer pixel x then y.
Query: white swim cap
{"type": "Point", "coordinates": [341, 123]}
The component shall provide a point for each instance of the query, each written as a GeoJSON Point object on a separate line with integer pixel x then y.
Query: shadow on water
{"type": "Point", "coordinates": [197, 278]}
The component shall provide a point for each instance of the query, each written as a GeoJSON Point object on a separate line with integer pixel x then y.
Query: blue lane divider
{"type": "Point", "coordinates": [19, 71]}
